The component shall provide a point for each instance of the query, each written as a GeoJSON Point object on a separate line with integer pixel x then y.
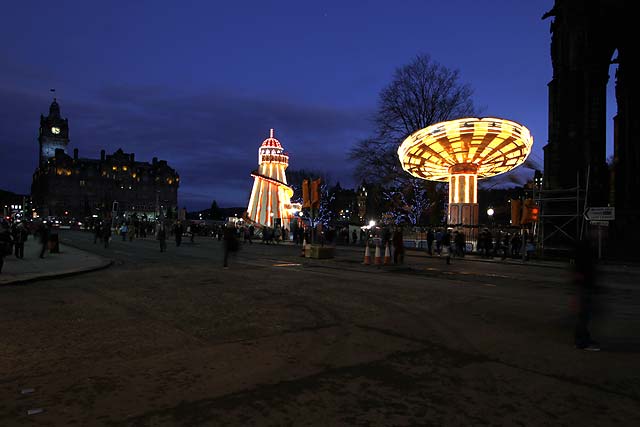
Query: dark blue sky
{"type": "Point", "coordinates": [201, 83]}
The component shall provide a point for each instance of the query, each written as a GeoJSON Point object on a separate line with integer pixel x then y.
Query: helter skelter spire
{"type": "Point", "coordinates": [270, 201]}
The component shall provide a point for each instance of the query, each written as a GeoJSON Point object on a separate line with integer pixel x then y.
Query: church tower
{"type": "Point", "coordinates": [53, 133]}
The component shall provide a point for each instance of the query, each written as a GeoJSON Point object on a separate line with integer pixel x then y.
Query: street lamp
{"type": "Point", "coordinates": [490, 213]}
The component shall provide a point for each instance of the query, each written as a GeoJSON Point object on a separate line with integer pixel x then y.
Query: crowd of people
{"type": "Point", "coordinates": [14, 235]}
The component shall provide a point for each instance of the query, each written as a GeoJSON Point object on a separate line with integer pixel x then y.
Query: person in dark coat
{"type": "Point", "coordinates": [585, 282]}
{"type": "Point", "coordinates": [430, 238]}
{"type": "Point", "coordinates": [97, 232]}
{"type": "Point", "coordinates": [162, 237]}
{"type": "Point", "coordinates": [230, 243]}
{"type": "Point", "coordinates": [177, 231]}
{"type": "Point", "coordinates": [5, 242]}
{"type": "Point", "coordinates": [398, 246]}
{"type": "Point", "coordinates": [106, 232]}
{"type": "Point", "coordinates": [44, 233]}
{"type": "Point", "coordinates": [446, 244]}
{"type": "Point", "coordinates": [20, 234]}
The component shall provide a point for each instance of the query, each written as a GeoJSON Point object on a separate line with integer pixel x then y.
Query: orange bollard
{"type": "Point", "coordinates": [387, 256]}
{"type": "Point", "coordinates": [304, 245]}
{"type": "Point", "coordinates": [367, 256]}
{"type": "Point", "coordinates": [378, 259]}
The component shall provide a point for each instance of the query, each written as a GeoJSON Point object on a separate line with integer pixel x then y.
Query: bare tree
{"type": "Point", "coordinates": [421, 93]}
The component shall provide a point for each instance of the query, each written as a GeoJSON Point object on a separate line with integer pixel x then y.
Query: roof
{"type": "Point", "coordinates": [271, 141]}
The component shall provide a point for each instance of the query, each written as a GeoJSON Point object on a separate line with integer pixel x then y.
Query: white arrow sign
{"type": "Point", "coordinates": [600, 214]}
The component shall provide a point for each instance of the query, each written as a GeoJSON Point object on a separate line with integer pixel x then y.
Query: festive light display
{"type": "Point", "coordinates": [461, 152]}
{"type": "Point", "coordinates": [270, 201]}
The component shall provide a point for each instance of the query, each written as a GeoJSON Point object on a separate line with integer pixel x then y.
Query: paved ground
{"type": "Point", "coordinates": [173, 339]}
{"type": "Point", "coordinates": [69, 260]}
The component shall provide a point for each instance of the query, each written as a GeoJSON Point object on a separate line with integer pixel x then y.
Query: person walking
{"type": "Point", "coordinates": [252, 231]}
{"type": "Point", "coordinates": [398, 246]}
{"type": "Point", "coordinates": [446, 245]}
{"type": "Point", "coordinates": [230, 243]}
{"type": "Point", "coordinates": [584, 278]}
{"type": "Point", "coordinates": [162, 237]}
{"type": "Point", "coordinates": [177, 231]}
{"type": "Point", "coordinates": [5, 242]}
{"type": "Point", "coordinates": [191, 231]}
{"type": "Point", "coordinates": [97, 232]}
{"type": "Point", "coordinates": [106, 232]}
{"type": "Point", "coordinates": [439, 236]}
{"type": "Point", "coordinates": [44, 237]}
{"type": "Point", "coordinates": [20, 234]}
{"type": "Point", "coordinates": [430, 238]}
{"type": "Point", "coordinates": [123, 231]}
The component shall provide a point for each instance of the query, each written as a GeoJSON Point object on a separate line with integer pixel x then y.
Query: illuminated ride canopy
{"type": "Point", "coordinates": [461, 152]}
{"type": "Point", "coordinates": [270, 201]}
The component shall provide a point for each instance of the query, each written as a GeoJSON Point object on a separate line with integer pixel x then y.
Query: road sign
{"type": "Point", "coordinates": [600, 214]}
{"type": "Point", "coordinates": [599, 223]}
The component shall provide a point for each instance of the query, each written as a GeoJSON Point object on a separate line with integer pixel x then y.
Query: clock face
{"type": "Point", "coordinates": [55, 130]}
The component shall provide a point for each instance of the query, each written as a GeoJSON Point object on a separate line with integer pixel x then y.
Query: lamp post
{"type": "Point", "coordinates": [490, 213]}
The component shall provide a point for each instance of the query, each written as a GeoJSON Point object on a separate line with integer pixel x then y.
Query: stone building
{"type": "Point", "coordinates": [587, 37]}
{"type": "Point", "coordinates": [70, 186]}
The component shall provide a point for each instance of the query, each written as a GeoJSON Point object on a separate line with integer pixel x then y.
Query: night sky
{"type": "Point", "coordinates": [200, 83]}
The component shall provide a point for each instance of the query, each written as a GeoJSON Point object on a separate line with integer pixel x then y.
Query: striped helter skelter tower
{"type": "Point", "coordinates": [270, 201]}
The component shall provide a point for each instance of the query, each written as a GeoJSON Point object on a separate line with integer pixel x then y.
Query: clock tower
{"type": "Point", "coordinates": [53, 133]}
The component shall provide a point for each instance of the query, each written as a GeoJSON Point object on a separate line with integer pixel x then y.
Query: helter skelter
{"type": "Point", "coordinates": [270, 201]}
{"type": "Point", "coordinates": [462, 151]}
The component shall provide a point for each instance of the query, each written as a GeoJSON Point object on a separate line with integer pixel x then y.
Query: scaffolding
{"type": "Point", "coordinates": [561, 215]}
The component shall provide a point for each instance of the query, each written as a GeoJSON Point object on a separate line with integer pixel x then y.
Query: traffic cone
{"type": "Point", "coordinates": [387, 256]}
{"type": "Point", "coordinates": [378, 259]}
{"type": "Point", "coordinates": [304, 245]}
{"type": "Point", "coordinates": [367, 256]}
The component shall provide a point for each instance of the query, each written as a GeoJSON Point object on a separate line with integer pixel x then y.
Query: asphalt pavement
{"type": "Point", "coordinates": [174, 339]}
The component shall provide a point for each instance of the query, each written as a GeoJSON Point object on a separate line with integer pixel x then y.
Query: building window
{"type": "Point", "coordinates": [82, 183]}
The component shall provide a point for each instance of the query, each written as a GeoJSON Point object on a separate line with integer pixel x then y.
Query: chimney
{"type": "Point", "coordinates": [102, 155]}
{"type": "Point", "coordinates": [133, 157]}
{"type": "Point", "coordinates": [75, 154]}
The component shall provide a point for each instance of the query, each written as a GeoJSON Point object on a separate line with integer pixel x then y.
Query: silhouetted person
{"type": "Point", "coordinates": [430, 238]}
{"type": "Point", "coordinates": [20, 234]}
{"type": "Point", "coordinates": [97, 232]}
{"type": "Point", "coordinates": [5, 242]}
{"type": "Point", "coordinates": [230, 242]}
{"type": "Point", "coordinates": [398, 246]}
{"type": "Point", "coordinates": [162, 237]}
{"type": "Point", "coordinates": [106, 233]}
{"type": "Point", "coordinates": [446, 244]}
{"type": "Point", "coordinates": [124, 229]}
{"type": "Point", "coordinates": [585, 280]}
{"type": "Point", "coordinates": [44, 233]}
{"type": "Point", "coordinates": [438, 237]}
